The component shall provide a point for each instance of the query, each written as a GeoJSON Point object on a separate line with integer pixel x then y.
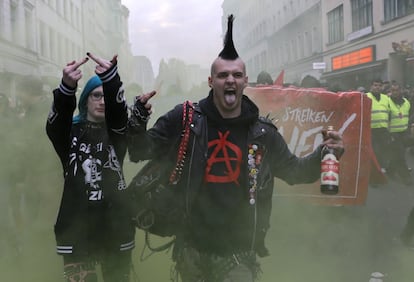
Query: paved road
{"type": "Point", "coordinates": [307, 243]}
{"type": "Point", "coordinates": [329, 244]}
{"type": "Point", "coordinates": [335, 244]}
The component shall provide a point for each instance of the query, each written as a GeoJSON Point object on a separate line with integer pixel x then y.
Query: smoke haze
{"type": "Point", "coordinates": [164, 29]}
{"type": "Point", "coordinates": [306, 243]}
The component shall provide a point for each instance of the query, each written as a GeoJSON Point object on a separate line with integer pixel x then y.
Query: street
{"type": "Point", "coordinates": [306, 243]}
{"type": "Point", "coordinates": [319, 244]}
{"type": "Point", "coordinates": [327, 244]}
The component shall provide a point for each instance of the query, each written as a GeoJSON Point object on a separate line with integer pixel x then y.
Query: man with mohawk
{"type": "Point", "coordinates": [226, 182]}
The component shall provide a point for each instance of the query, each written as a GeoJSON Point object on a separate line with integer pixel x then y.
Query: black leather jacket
{"type": "Point", "coordinates": [277, 161]}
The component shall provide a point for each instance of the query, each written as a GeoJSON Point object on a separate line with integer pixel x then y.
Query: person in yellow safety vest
{"type": "Point", "coordinates": [380, 114]}
{"type": "Point", "coordinates": [399, 130]}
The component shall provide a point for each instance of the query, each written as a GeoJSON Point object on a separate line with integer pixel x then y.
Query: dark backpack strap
{"type": "Point", "coordinates": [153, 249]}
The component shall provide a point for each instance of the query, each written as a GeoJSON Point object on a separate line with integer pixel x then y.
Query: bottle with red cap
{"type": "Point", "coordinates": [329, 169]}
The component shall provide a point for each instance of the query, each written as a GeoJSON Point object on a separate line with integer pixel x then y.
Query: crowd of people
{"type": "Point", "coordinates": [227, 179]}
{"type": "Point", "coordinates": [226, 184]}
{"type": "Point", "coordinates": [391, 122]}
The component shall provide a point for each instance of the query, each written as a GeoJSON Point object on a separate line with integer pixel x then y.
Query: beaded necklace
{"type": "Point", "coordinates": [188, 111]}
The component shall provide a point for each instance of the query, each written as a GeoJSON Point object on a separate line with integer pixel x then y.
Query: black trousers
{"type": "Point", "coordinates": [380, 140]}
{"type": "Point", "coordinates": [408, 231]}
{"type": "Point", "coordinates": [195, 266]}
{"type": "Point", "coordinates": [397, 157]}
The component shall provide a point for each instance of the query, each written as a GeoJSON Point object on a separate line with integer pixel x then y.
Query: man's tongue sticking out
{"type": "Point", "coordinates": [230, 96]}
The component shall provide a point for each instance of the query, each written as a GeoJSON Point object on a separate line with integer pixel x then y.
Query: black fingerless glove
{"type": "Point", "coordinates": [139, 111]}
{"type": "Point", "coordinates": [139, 117]}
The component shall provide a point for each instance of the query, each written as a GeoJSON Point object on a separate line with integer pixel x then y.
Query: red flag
{"type": "Point", "coordinates": [279, 79]}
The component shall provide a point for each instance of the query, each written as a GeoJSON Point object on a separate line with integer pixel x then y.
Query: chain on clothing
{"type": "Point", "coordinates": [115, 268]}
{"type": "Point", "coordinates": [203, 267]}
{"type": "Point", "coordinates": [220, 266]}
{"type": "Point", "coordinates": [80, 272]}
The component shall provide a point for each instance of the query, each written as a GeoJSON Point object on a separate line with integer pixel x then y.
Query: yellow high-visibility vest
{"type": "Point", "coordinates": [379, 111]}
{"type": "Point", "coordinates": [399, 116]}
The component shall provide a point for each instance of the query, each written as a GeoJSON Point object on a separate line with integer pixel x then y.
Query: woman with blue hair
{"type": "Point", "coordinates": [94, 224]}
{"type": "Point", "coordinates": [92, 88]}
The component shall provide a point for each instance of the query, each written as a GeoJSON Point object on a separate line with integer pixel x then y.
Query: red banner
{"type": "Point", "coordinates": [300, 114]}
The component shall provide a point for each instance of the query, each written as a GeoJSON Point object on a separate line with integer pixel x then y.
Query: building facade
{"type": "Point", "coordinates": [365, 39]}
{"type": "Point", "coordinates": [39, 37]}
{"type": "Point", "coordinates": [273, 36]}
{"type": "Point", "coordinates": [344, 44]}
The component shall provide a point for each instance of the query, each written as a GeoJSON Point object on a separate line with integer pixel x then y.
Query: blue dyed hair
{"type": "Point", "coordinates": [92, 83]}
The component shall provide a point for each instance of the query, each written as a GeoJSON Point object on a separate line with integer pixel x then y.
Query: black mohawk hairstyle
{"type": "Point", "coordinates": [229, 51]}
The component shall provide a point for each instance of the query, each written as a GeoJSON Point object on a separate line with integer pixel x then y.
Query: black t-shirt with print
{"type": "Point", "coordinates": [222, 221]}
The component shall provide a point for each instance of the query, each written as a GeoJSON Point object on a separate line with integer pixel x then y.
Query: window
{"type": "Point", "coordinates": [263, 60]}
{"type": "Point", "coordinates": [287, 51]}
{"type": "Point", "coordinates": [397, 8]}
{"type": "Point", "coordinates": [14, 22]}
{"type": "Point", "coordinates": [52, 4]}
{"type": "Point", "coordinates": [280, 57]}
{"type": "Point", "coordinates": [308, 44]}
{"type": "Point", "coordinates": [361, 14]}
{"type": "Point", "coordinates": [66, 11]}
{"type": "Point", "coordinates": [30, 41]}
{"type": "Point", "coordinates": [43, 38]}
{"type": "Point", "coordinates": [59, 7]}
{"type": "Point", "coordinates": [52, 44]}
{"type": "Point", "coordinates": [72, 14]}
{"type": "Point", "coordinates": [78, 19]}
{"type": "Point", "coordinates": [316, 39]}
{"type": "Point", "coordinates": [301, 52]}
{"type": "Point", "coordinates": [256, 64]}
{"type": "Point", "coordinates": [293, 49]}
{"type": "Point", "coordinates": [336, 25]}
